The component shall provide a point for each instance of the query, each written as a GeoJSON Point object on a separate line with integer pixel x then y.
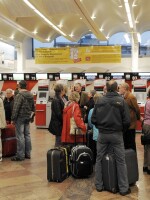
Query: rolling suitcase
{"type": "Point", "coordinates": [109, 173]}
{"type": "Point", "coordinates": [9, 141]}
{"type": "Point", "coordinates": [91, 144]}
{"type": "Point", "coordinates": [109, 170]}
{"type": "Point", "coordinates": [57, 164]}
{"type": "Point", "coordinates": [81, 160]}
{"type": "Point", "coordinates": [132, 166]}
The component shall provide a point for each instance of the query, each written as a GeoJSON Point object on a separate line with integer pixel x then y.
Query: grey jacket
{"type": "Point", "coordinates": [23, 106]}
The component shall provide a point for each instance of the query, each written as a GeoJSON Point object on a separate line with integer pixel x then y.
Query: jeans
{"type": "Point", "coordinates": [115, 140]}
{"type": "Point", "coordinates": [23, 139]}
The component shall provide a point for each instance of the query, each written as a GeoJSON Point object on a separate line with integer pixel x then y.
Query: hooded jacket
{"type": "Point", "coordinates": [111, 114]}
{"type": "Point", "coordinates": [23, 106]}
{"type": "Point", "coordinates": [67, 114]}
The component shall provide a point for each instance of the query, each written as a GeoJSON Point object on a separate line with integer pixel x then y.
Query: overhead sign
{"type": "Point", "coordinates": [67, 55]}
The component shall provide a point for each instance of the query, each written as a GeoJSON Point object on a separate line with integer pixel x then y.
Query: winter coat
{"type": "Point", "coordinates": [90, 104]}
{"type": "Point", "coordinates": [2, 115]}
{"type": "Point", "coordinates": [67, 114]}
{"type": "Point", "coordinates": [56, 123]}
{"type": "Point", "coordinates": [133, 108]}
{"type": "Point", "coordinates": [111, 114]}
{"type": "Point", "coordinates": [23, 106]}
{"type": "Point", "coordinates": [8, 106]}
{"type": "Point", "coordinates": [83, 101]}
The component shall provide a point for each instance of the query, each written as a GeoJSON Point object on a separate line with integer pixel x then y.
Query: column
{"type": "Point", "coordinates": [135, 54]}
{"type": "Point", "coordinates": [24, 51]}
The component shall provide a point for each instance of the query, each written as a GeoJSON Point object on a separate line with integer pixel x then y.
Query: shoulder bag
{"type": "Point", "coordinates": [73, 125]}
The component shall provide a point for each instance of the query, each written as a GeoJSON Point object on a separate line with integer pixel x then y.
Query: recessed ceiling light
{"type": "Point", "coordinates": [93, 17]}
{"type": "Point", "coordinates": [136, 21]}
{"type": "Point", "coordinates": [134, 5]}
{"type": "Point", "coordinates": [12, 37]}
{"type": "Point", "coordinates": [80, 17]}
{"type": "Point", "coordinates": [101, 29]}
{"type": "Point", "coordinates": [71, 35]}
{"type": "Point", "coordinates": [48, 39]}
{"type": "Point", "coordinates": [60, 25]}
{"type": "Point", "coordinates": [120, 6]}
{"type": "Point", "coordinates": [35, 32]}
{"type": "Point", "coordinates": [125, 22]}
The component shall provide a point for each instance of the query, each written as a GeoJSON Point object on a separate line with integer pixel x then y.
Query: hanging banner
{"type": "Point", "coordinates": [67, 55]}
{"type": "Point", "coordinates": [99, 84]}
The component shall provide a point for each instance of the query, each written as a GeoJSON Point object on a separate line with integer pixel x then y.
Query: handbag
{"type": "Point", "coordinates": [73, 125]}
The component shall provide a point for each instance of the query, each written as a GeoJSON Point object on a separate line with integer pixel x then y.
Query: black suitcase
{"type": "Point", "coordinates": [109, 173]}
{"type": "Point", "coordinates": [91, 144]}
{"type": "Point", "coordinates": [132, 166]}
{"type": "Point", "coordinates": [109, 170]}
{"type": "Point", "coordinates": [57, 164]}
{"type": "Point", "coordinates": [81, 161]}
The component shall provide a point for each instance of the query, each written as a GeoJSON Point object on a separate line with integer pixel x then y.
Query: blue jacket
{"type": "Point", "coordinates": [95, 130]}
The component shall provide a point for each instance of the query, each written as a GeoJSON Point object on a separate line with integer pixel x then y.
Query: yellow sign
{"type": "Point", "coordinates": [93, 54]}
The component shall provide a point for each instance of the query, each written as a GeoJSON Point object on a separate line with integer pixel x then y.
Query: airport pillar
{"type": "Point", "coordinates": [24, 51]}
{"type": "Point", "coordinates": [135, 54]}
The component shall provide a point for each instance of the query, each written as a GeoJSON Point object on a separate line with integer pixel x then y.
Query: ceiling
{"type": "Point", "coordinates": [71, 18]}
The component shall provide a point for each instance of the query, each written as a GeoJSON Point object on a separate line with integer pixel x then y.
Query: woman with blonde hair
{"type": "Point", "coordinates": [72, 109]}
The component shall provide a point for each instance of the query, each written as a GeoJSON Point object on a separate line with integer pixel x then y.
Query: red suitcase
{"type": "Point", "coordinates": [9, 141]}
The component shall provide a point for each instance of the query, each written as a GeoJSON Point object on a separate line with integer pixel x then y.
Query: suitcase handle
{"type": "Point", "coordinates": [76, 135]}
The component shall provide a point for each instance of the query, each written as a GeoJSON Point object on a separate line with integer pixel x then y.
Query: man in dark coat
{"type": "Point", "coordinates": [111, 116]}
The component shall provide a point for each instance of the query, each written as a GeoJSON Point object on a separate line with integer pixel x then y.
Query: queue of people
{"type": "Point", "coordinates": [112, 117]}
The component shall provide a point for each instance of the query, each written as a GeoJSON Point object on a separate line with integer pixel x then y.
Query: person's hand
{"type": "Point", "coordinates": [85, 107]}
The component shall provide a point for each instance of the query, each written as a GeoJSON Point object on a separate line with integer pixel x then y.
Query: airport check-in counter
{"type": "Point", "coordinates": [43, 110]}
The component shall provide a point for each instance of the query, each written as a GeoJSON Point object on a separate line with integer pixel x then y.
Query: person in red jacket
{"type": "Point", "coordinates": [72, 109]}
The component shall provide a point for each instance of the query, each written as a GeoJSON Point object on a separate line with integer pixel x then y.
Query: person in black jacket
{"type": "Point", "coordinates": [90, 104]}
{"type": "Point", "coordinates": [111, 116]}
{"type": "Point", "coordinates": [57, 106]}
{"type": "Point", "coordinates": [8, 104]}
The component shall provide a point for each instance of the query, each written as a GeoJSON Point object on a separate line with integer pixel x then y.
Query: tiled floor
{"type": "Point", "coordinates": [28, 179]}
